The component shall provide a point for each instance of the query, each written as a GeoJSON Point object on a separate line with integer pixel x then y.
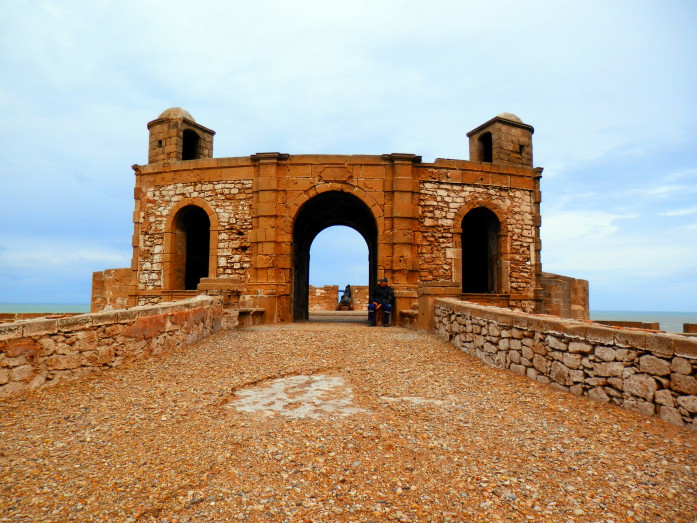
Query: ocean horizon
{"type": "Point", "coordinates": [669, 321]}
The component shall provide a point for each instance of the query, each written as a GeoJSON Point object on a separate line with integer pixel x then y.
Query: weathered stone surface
{"type": "Point", "coordinates": [680, 366]}
{"type": "Point", "coordinates": [653, 365]}
{"type": "Point", "coordinates": [641, 385]}
{"type": "Point", "coordinates": [608, 369]}
{"type": "Point", "coordinates": [528, 353]}
{"type": "Point", "coordinates": [580, 347]}
{"type": "Point", "coordinates": [518, 369]}
{"type": "Point", "coordinates": [598, 393]}
{"type": "Point", "coordinates": [555, 343]}
{"type": "Point", "coordinates": [671, 415]}
{"type": "Point", "coordinates": [689, 403]}
{"type": "Point", "coordinates": [577, 376]}
{"type": "Point", "coordinates": [540, 363]}
{"type": "Point", "coordinates": [605, 353]}
{"type": "Point", "coordinates": [644, 407]}
{"type": "Point", "coordinates": [4, 376]}
{"type": "Point", "coordinates": [664, 397]}
{"type": "Point", "coordinates": [514, 356]}
{"type": "Point", "coordinates": [540, 348]}
{"type": "Point", "coordinates": [573, 361]}
{"type": "Point", "coordinates": [683, 384]}
{"type": "Point", "coordinates": [21, 373]}
{"type": "Point", "coordinates": [560, 373]}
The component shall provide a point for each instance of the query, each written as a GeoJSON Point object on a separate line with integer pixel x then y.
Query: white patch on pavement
{"type": "Point", "coordinates": [300, 396]}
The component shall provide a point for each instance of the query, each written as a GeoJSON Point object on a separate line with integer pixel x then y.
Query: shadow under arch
{"type": "Point", "coordinates": [319, 212]}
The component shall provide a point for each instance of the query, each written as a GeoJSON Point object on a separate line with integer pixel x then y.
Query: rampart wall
{"type": "Point", "coordinates": [39, 352]}
{"type": "Point", "coordinates": [652, 373]}
{"type": "Point", "coordinates": [326, 298]}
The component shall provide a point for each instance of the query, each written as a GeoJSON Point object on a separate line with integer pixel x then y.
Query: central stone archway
{"type": "Point", "coordinates": [326, 210]}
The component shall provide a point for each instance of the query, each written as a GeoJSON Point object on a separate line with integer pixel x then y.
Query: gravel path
{"type": "Point", "coordinates": [356, 424]}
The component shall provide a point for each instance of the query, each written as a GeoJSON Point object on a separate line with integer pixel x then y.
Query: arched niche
{"type": "Point", "coordinates": [481, 243]}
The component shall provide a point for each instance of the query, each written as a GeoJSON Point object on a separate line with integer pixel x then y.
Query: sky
{"type": "Point", "coordinates": [610, 88]}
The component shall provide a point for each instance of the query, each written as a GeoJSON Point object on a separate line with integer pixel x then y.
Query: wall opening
{"type": "Point", "coordinates": [190, 147]}
{"type": "Point", "coordinates": [480, 256]}
{"type": "Point", "coordinates": [326, 210]}
{"type": "Point", "coordinates": [485, 148]}
{"type": "Point", "coordinates": [191, 247]}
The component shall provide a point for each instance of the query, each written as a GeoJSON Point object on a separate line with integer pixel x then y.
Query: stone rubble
{"type": "Point", "coordinates": [441, 436]}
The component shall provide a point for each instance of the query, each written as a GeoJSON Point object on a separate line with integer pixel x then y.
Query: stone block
{"type": "Point", "coordinates": [680, 365]}
{"type": "Point", "coordinates": [685, 347]}
{"type": "Point", "coordinates": [559, 373]}
{"type": "Point", "coordinates": [640, 406]}
{"type": "Point", "coordinates": [595, 382]}
{"type": "Point", "coordinates": [630, 338]}
{"type": "Point", "coordinates": [518, 369]}
{"type": "Point", "coordinates": [514, 356]}
{"type": "Point", "coordinates": [577, 376]}
{"type": "Point", "coordinates": [671, 415]}
{"type": "Point", "coordinates": [4, 375]}
{"type": "Point", "coordinates": [689, 403]}
{"type": "Point", "coordinates": [527, 353]}
{"type": "Point", "coordinates": [540, 363]}
{"type": "Point", "coordinates": [75, 323]}
{"type": "Point", "coordinates": [683, 384]}
{"type": "Point", "coordinates": [598, 393]}
{"type": "Point", "coordinates": [576, 347]}
{"type": "Point", "coordinates": [641, 385]}
{"type": "Point", "coordinates": [555, 343]}
{"type": "Point", "coordinates": [664, 397]}
{"type": "Point", "coordinates": [605, 353]}
{"type": "Point", "coordinates": [576, 389]}
{"type": "Point", "coordinates": [9, 331]}
{"type": "Point", "coordinates": [40, 327]}
{"type": "Point", "coordinates": [608, 369]}
{"type": "Point", "coordinates": [653, 365]}
{"type": "Point", "coordinates": [539, 348]}
{"type": "Point", "coordinates": [22, 373]}
{"type": "Point", "coordinates": [573, 361]}
{"type": "Point", "coordinates": [63, 362]}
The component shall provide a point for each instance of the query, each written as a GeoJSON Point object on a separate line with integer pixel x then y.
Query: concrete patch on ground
{"type": "Point", "coordinates": [301, 396]}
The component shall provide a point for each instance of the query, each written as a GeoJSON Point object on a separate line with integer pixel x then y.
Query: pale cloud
{"type": "Point", "coordinates": [680, 212]}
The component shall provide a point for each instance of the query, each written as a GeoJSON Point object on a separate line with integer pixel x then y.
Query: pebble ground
{"type": "Point", "coordinates": [437, 436]}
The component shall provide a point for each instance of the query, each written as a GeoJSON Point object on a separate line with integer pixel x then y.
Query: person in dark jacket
{"type": "Point", "coordinates": [380, 300]}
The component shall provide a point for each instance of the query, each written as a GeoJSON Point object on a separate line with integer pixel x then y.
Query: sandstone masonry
{"type": "Point", "coordinates": [458, 228]}
{"type": "Point", "coordinates": [38, 352]}
{"type": "Point", "coordinates": [652, 373]}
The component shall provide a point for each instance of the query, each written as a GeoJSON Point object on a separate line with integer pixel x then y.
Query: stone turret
{"type": "Point", "coordinates": [175, 135]}
{"type": "Point", "coordinates": [503, 140]}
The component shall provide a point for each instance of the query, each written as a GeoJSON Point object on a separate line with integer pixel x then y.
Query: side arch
{"type": "Point", "coordinates": [169, 263]}
{"type": "Point", "coordinates": [482, 246]}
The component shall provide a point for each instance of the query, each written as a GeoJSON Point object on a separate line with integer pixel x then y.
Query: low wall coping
{"type": "Point", "coordinates": [666, 344]}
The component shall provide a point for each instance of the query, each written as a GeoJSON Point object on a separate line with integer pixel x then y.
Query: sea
{"type": "Point", "coordinates": [668, 321]}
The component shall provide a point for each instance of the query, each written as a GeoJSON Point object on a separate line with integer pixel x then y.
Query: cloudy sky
{"type": "Point", "coordinates": [610, 87]}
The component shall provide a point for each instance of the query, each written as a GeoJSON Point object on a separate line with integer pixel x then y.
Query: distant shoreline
{"type": "Point", "coordinates": [670, 321]}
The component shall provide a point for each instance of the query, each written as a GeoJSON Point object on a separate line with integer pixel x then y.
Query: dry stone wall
{"type": "Point", "coordinates": [652, 373]}
{"type": "Point", "coordinates": [39, 352]}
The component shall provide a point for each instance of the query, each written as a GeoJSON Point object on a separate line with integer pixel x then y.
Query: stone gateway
{"type": "Point", "coordinates": [242, 227]}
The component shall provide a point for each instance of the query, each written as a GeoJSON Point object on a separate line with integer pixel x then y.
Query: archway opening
{"type": "Point", "coordinates": [326, 210]}
{"type": "Point", "coordinates": [190, 141]}
{"type": "Point", "coordinates": [480, 231]}
{"type": "Point", "coordinates": [339, 256]}
{"type": "Point", "coordinates": [191, 248]}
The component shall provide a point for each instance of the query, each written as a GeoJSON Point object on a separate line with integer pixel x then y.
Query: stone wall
{"type": "Point", "coordinates": [110, 289]}
{"type": "Point", "coordinates": [324, 298]}
{"type": "Point", "coordinates": [652, 373]}
{"type": "Point", "coordinates": [564, 296]}
{"type": "Point", "coordinates": [36, 353]}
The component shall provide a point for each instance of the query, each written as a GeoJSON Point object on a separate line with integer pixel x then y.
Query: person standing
{"type": "Point", "coordinates": [380, 300]}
